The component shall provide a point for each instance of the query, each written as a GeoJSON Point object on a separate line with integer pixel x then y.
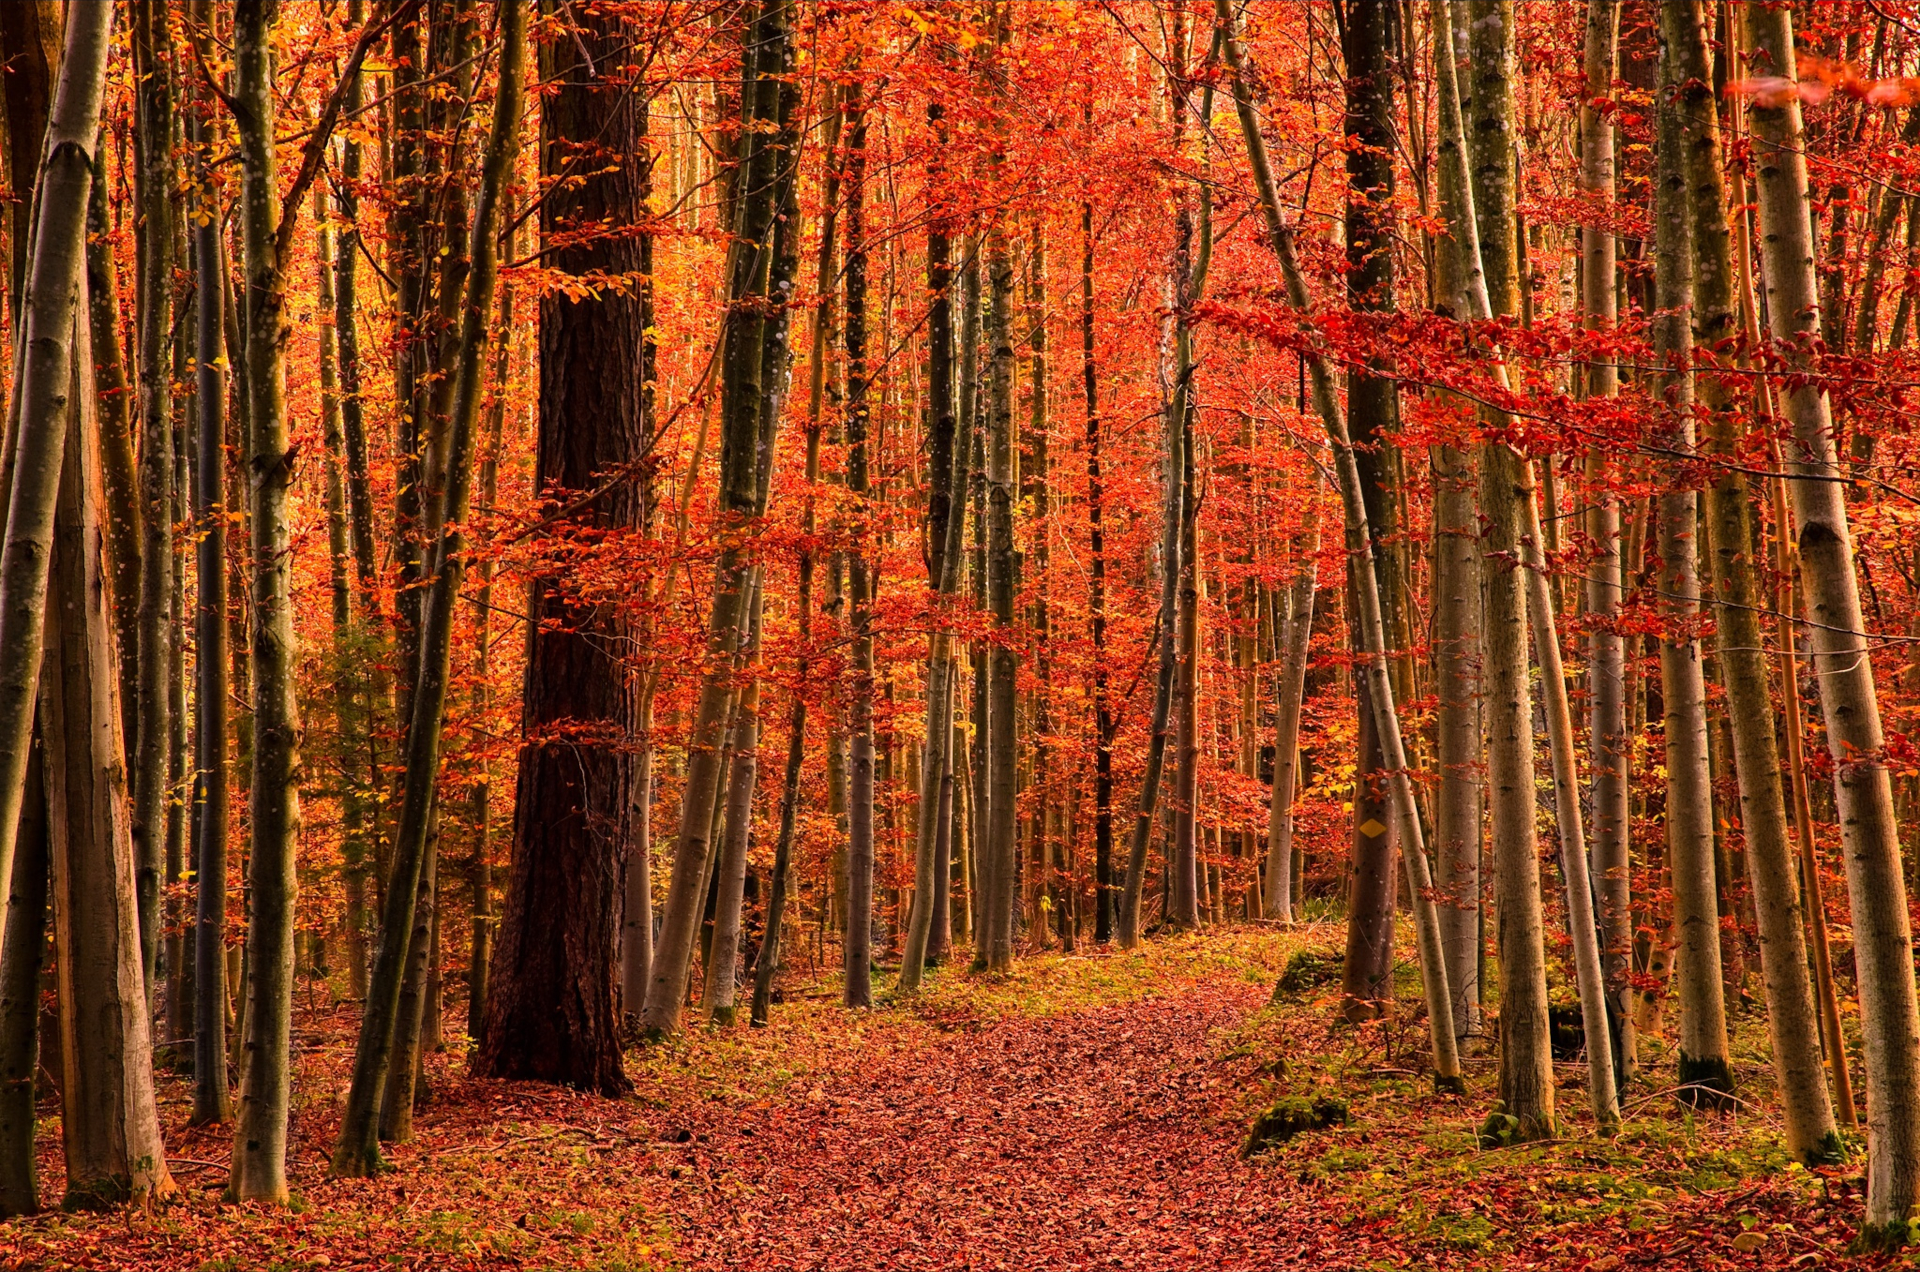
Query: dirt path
{"type": "Point", "coordinates": [1099, 1138]}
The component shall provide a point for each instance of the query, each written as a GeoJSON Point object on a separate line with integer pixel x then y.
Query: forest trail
{"type": "Point", "coordinates": [1105, 1136]}
{"type": "Point", "coordinates": [1081, 1112]}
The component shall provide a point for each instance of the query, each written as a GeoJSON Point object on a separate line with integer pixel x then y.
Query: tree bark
{"type": "Point", "coordinates": [211, 1100]}
{"type": "Point", "coordinates": [153, 58]}
{"type": "Point", "coordinates": [1883, 941]}
{"type": "Point", "coordinates": [41, 394]}
{"type": "Point", "coordinates": [766, 180]}
{"type": "Point", "coordinates": [22, 951]}
{"type": "Point", "coordinates": [1610, 742]}
{"type": "Point", "coordinates": [110, 1120]}
{"type": "Point", "coordinates": [115, 396]}
{"type": "Point", "coordinates": [550, 1011]}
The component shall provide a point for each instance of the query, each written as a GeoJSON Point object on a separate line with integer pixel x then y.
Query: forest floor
{"type": "Point", "coordinates": [1084, 1112]}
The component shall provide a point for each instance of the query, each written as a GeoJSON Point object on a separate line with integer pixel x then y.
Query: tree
{"type": "Point", "coordinates": [1836, 628]}
{"type": "Point", "coordinates": [153, 58]}
{"type": "Point", "coordinates": [1811, 1133]}
{"type": "Point", "coordinates": [550, 1007]}
{"type": "Point", "coordinates": [110, 1122]}
{"type": "Point", "coordinates": [1485, 140]}
{"type": "Point", "coordinates": [211, 1100]}
{"type": "Point", "coordinates": [1704, 1067]}
{"type": "Point", "coordinates": [357, 1150]}
{"type": "Point", "coordinates": [40, 396]}
{"type": "Point", "coordinates": [745, 438]}
{"type": "Point", "coordinates": [1433, 975]}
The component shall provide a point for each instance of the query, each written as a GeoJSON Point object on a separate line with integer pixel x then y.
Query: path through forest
{"type": "Point", "coordinates": [1105, 1136]}
{"type": "Point", "coordinates": [1082, 1112]}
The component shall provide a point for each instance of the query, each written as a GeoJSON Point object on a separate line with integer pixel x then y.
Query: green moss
{"type": "Point", "coordinates": [1830, 1151]}
{"type": "Point", "coordinates": [1290, 1116]}
{"type": "Point", "coordinates": [1500, 1128]}
{"type": "Point", "coordinates": [1307, 970]}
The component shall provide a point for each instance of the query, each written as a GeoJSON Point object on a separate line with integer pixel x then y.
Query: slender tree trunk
{"type": "Point", "coordinates": [1446, 1061]}
{"type": "Point", "coordinates": [765, 184]}
{"type": "Point", "coordinates": [350, 505]}
{"type": "Point", "coordinates": [1001, 844]}
{"type": "Point", "coordinates": [1811, 1133]}
{"type": "Point", "coordinates": [1610, 742]}
{"type": "Point", "coordinates": [1704, 1069]}
{"type": "Point", "coordinates": [357, 1150]}
{"type": "Point", "coordinates": [1290, 685]}
{"type": "Point", "coordinates": [41, 394]}
{"type": "Point", "coordinates": [1489, 276]}
{"type": "Point", "coordinates": [480, 877]}
{"type": "Point", "coordinates": [110, 1120]}
{"type": "Point", "coordinates": [945, 517]}
{"type": "Point", "coordinates": [1862, 788]}
{"type": "Point", "coordinates": [117, 464]}
{"type": "Point", "coordinates": [153, 57]}
{"type": "Point", "coordinates": [1103, 721]}
{"type": "Point", "coordinates": [22, 951]}
{"type": "Point", "coordinates": [857, 953]}
{"type": "Point", "coordinates": [723, 952]}
{"type": "Point", "coordinates": [1173, 490]}
{"type": "Point", "coordinates": [211, 1100]}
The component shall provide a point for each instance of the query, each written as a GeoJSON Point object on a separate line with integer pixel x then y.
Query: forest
{"type": "Point", "coordinates": [959, 633]}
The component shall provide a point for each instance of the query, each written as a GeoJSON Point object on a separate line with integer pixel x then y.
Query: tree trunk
{"type": "Point", "coordinates": [260, 1140]}
{"type": "Point", "coordinates": [1290, 685]}
{"type": "Point", "coordinates": [109, 1117]}
{"type": "Point", "coordinates": [41, 394]}
{"type": "Point", "coordinates": [765, 139]}
{"type": "Point", "coordinates": [1703, 1070]}
{"type": "Point", "coordinates": [857, 956]}
{"type": "Point", "coordinates": [1609, 740]}
{"type": "Point", "coordinates": [357, 1150]}
{"type": "Point", "coordinates": [1001, 843]}
{"type": "Point", "coordinates": [153, 58]}
{"type": "Point", "coordinates": [1811, 1133]}
{"type": "Point", "coordinates": [946, 517]}
{"type": "Point", "coordinates": [1446, 1060]}
{"type": "Point", "coordinates": [117, 465]}
{"type": "Point", "coordinates": [1489, 269]}
{"type": "Point", "coordinates": [22, 951]}
{"type": "Point", "coordinates": [211, 1100]}
{"type": "Point", "coordinates": [550, 1011]}
{"type": "Point", "coordinates": [1862, 788]}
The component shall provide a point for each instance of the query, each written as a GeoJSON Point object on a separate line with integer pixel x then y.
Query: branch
{"type": "Point", "coordinates": [314, 152]}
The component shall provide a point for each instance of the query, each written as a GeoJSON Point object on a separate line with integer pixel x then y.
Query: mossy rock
{"type": "Point", "coordinates": [1291, 1115]}
{"type": "Point", "coordinates": [1308, 970]}
{"type": "Point", "coordinates": [1500, 1129]}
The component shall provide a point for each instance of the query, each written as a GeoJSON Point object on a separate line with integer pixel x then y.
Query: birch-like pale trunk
{"type": "Point", "coordinates": [1794, 1027]}
{"type": "Point", "coordinates": [1863, 791]}
{"type": "Point", "coordinates": [1446, 1059]}
{"type": "Point", "coordinates": [1704, 1068]}
{"type": "Point", "coordinates": [1609, 742]}
{"type": "Point", "coordinates": [1290, 684]}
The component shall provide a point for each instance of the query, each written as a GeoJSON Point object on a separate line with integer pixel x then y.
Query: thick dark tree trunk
{"type": "Point", "coordinates": [550, 1001]}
